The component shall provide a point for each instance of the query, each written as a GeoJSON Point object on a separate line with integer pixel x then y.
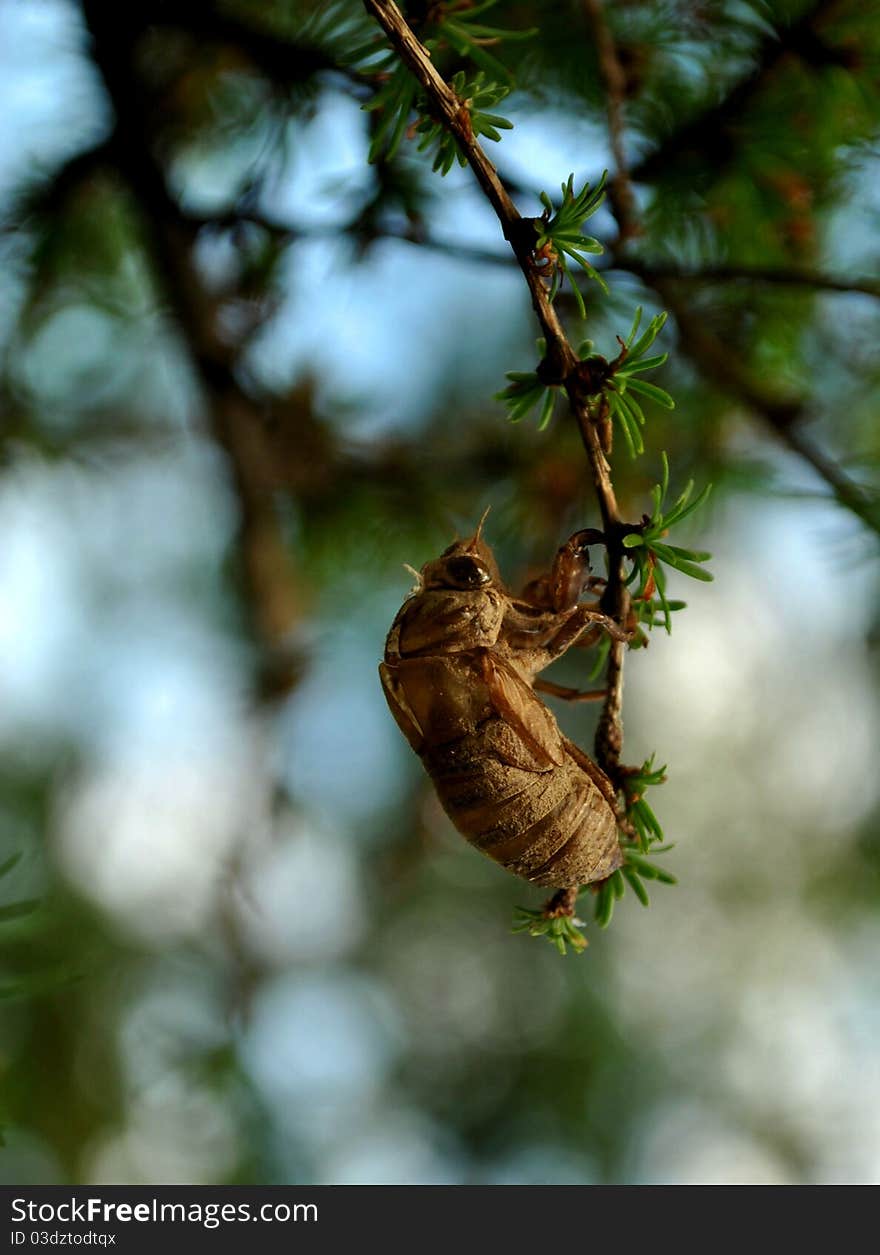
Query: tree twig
{"type": "Point", "coordinates": [623, 206]}
{"type": "Point", "coordinates": [50, 196]}
{"type": "Point", "coordinates": [784, 416]}
{"type": "Point", "coordinates": [450, 111]}
{"type": "Point", "coordinates": [733, 272]}
{"type": "Point", "coordinates": [560, 360]}
{"type": "Point", "coordinates": [621, 192]}
{"type": "Point", "coordinates": [629, 263]}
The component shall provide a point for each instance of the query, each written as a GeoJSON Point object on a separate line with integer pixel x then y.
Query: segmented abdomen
{"type": "Point", "coordinates": [552, 827]}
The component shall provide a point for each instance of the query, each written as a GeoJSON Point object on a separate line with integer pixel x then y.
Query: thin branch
{"type": "Point", "coordinates": [561, 358]}
{"type": "Point", "coordinates": [620, 189]}
{"type": "Point", "coordinates": [452, 113]}
{"type": "Point", "coordinates": [50, 197]}
{"type": "Point", "coordinates": [562, 903]}
{"type": "Point", "coordinates": [356, 230]}
{"type": "Point", "coordinates": [733, 272]}
{"type": "Point", "coordinates": [785, 417]}
{"type": "Point", "coordinates": [623, 206]}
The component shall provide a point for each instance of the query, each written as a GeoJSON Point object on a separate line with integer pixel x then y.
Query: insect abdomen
{"type": "Point", "coordinates": [552, 827]}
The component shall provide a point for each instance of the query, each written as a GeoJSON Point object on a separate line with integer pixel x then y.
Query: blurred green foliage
{"type": "Point", "coordinates": [219, 448]}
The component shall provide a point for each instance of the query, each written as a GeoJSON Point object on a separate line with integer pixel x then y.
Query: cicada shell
{"type": "Point", "coordinates": [461, 660]}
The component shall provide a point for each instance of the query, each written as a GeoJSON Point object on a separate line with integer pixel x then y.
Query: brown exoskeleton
{"type": "Point", "coordinates": [459, 674]}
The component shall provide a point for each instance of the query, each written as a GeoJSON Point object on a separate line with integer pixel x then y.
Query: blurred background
{"type": "Point", "coordinates": [245, 376]}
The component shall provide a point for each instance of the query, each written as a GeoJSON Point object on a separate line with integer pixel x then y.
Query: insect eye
{"type": "Point", "coordinates": [467, 573]}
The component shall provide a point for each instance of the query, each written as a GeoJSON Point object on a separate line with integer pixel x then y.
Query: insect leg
{"type": "Point", "coordinates": [538, 642]}
{"type": "Point", "coordinates": [400, 708]}
{"type": "Point", "coordinates": [575, 624]}
{"type": "Point", "coordinates": [570, 573]}
{"type": "Point", "coordinates": [568, 694]}
{"type": "Point", "coordinates": [589, 638]}
{"type": "Point", "coordinates": [524, 714]}
{"type": "Point", "coordinates": [569, 576]}
{"type": "Point", "coordinates": [596, 774]}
